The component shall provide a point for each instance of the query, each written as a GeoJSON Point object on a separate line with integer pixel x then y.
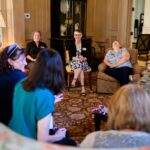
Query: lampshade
{"type": "Point", "coordinates": [2, 22]}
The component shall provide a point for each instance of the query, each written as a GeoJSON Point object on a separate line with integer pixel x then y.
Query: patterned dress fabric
{"type": "Point", "coordinates": [74, 64]}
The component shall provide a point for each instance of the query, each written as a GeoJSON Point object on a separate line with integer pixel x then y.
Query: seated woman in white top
{"type": "Point", "coordinates": [128, 121]}
{"type": "Point", "coordinates": [118, 63]}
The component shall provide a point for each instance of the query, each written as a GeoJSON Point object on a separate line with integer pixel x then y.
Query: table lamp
{"type": "Point", "coordinates": [2, 24]}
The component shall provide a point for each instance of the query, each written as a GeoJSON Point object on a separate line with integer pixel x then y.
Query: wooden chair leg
{"type": "Point", "coordinates": [90, 80]}
{"type": "Point", "coordinates": [68, 81]}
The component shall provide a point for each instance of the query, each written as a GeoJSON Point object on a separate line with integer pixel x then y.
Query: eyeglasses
{"type": "Point", "coordinates": [12, 48]}
{"type": "Point", "coordinates": [77, 34]}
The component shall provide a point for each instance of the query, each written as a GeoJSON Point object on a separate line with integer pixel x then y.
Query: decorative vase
{"type": "Point", "coordinates": [62, 30]}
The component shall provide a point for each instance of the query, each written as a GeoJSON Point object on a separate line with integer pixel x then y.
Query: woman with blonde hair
{"type": "Point", "coordinates": [128, 120]}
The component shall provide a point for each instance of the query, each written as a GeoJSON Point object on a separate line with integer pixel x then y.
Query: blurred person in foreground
{"type": "Point", "coordinates": [128, 121]}
{"type": "Point", "coordinates": [12, 70]}
{"type": "Point", "coordinates": [32, 112]}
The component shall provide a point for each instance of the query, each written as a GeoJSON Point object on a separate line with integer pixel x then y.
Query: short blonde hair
{"type": "Point", "coordinates": [129, 108]}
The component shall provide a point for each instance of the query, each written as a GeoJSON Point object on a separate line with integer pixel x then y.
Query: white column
{"type": "Point", "coordinates": [146, 26]}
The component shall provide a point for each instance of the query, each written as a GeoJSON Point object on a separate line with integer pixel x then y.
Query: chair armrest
{"type": "Point", "coordinates": [66, 57]}
{"type": "Point", "coordinates": [102, 67]}
{"type": "Point", "coordinates": [136, 69]}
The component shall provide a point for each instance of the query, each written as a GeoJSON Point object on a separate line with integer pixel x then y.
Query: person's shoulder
{"type": "Point", "coordinates": [98, 138]}
{"type": "Point", "coordinates": [109, 51]}
{"type": "Point", "coordinates": [18, 85]}
{"type": "Point", "coordinates": [31, 43]}
{"type": "Point", "coordinates": [44, 96]}
{"type": "Point", "coordinates": [71, 44]}
{"type": "Point", "coordinates": [107, 134]}
{"type": "Point", "coordinates": [123, 49]}
{"type": "Point", "coordinates": [127, 134]}
{"type": "Point", "coordinates": [19, 74]}
{"type": "Point", "coordinates": [43, 92]}
{"type": "Point", "coordinates": [97, 133]}
{"type": "Point", "coordinates": [43, 44]}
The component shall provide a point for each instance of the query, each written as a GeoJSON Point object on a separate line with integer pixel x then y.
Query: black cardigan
{"type": "Point", "coordinates": [33, 50]}
{"type": "Point", "coordinates": [72, 50]}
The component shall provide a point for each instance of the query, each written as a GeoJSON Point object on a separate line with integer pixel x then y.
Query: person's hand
{"type": "Point", "coordinates": [58, 97]}
{"type": "Point", "coordinates": [60, 134]}
{"type": "Point", "coordinates": [112, 65]}
{"type": "Point", "coordinates": [33, 60]}
{"type": "Point", "coordinates": [84, 58]}
{"type": "Point", "coordinates": [81, 58]}
{"type": "Point", "coordinates": [30, 58]}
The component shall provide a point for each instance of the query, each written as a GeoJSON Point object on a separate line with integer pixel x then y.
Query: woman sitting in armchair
{"type": "Point", "coordinates": [118, 63]}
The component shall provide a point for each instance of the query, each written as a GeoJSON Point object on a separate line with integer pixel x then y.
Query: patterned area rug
{"type": "Point", "coordinates": [74, 111]}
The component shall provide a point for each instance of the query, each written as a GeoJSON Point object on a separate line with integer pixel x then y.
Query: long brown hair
{"type": "Point", "coordinates": [129, 108]}
{"type": "Point", "coordinates": [47, 72]}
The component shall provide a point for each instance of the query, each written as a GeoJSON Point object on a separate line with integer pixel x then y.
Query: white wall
{"type": "Point", "coordinates": [146, 27]}
{"type": "Point", "coordinates": [139, 8]}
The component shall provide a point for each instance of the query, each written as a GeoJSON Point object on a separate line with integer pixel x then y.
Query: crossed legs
{"type": "Point", "coordinates": [76, 75]}
{"type": "Point", "coordinates": [79, 73]}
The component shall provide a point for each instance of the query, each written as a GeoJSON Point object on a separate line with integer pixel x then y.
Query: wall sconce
{"type": "Point", "coordinates": [2, 24]}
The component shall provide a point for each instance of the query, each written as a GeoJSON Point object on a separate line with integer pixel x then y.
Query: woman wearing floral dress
{"type": "Point", "coordinates": [78, 54]}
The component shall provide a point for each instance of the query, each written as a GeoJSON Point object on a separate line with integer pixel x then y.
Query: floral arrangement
{"type": "Point", "coordinates": [101, 109]}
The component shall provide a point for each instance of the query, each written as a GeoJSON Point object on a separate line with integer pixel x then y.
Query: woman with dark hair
{"type": "Point", "coordinates": [12, 63]}
{"type": "Point", "coordinates": [78, 54]}
{"type": "Point", "coordinates": [33, 110]}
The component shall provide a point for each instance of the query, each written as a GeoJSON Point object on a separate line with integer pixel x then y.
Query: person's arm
{"type": "Point", "coordinates": [43, 131]}
{"type": "Point", "coordinates": [83, 56]}
{"type": "Point", "coordinates": [30, 58]}
{"type": "Point", "coordinates": [125, 57]}
{"type": "Point", "coordinates": [44, 108]}
{"type": "Point", "coordinates": [58, 97]}
{"type": "Point", "coordinates": [72, 52]}
{"type": "Point", "coordinates": [29, 47]}
{"type": "Point", "coordinates": [84, 52]}
{"type": "Point", "coordinates": [42, 44]}
{"type": "Point", "coordinates": [75, 58]}
{"type": "Point", "coordinates": [107, 62]}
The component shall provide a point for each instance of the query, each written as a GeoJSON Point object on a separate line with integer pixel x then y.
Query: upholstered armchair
{"type": "Point", "coordinates": [108, 84]}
